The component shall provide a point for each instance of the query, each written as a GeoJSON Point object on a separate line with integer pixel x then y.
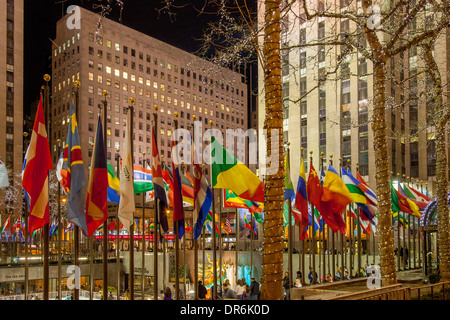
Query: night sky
{"type": "Point", "coordinates": [184, 31]}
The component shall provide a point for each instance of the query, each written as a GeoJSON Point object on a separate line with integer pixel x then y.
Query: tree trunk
{"type": "Point", "coordinates": [272, 264]}
{"type": "Point", "coordinates": [384, 227]}
{"type": "Point", "coordinates": [440, 117]}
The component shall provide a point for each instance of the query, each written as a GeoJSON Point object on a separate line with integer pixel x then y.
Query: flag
{"type": "Point", "coordinates": [231, 199]}
{"type": "Point", "coordinates": [142, 178]}
{"type": "Point", "coordinates": [315, 191]}
{"type": "Point", "coordinates": [97, 193]}
{"type": "Point", "coordinates": [229, 173]}
{"type": "Point", "coordinates": [228, 225]}
{"type": "Point", "coordinates": [178, 210]}
{"type": "Point", "coordinates": [361, 194]}
{"type": "Point", "coordinates": [61, 174]}
{"type": "Point", "coordinates": [202, 197]}
{"type": "Point", "coordinates": [4, 182]}
{"type": "Point", "coordinates": [73, 168]}
{"type": "Point", "coordinates": [113, 185]}
{"type": "Point", "coordinates": [158, 181]}
{"type": "Point", "coordinates": [401, 203]}
{"type": "Point", "coordinates": [288, 186]}
{"type": "Point", "coordinates": [5, 225]}
{"type": "Point", "coordinates": [126, 204]}
{"type": "Point", "coordinates": [187, 226]}
{"type": "Point", "coordinates": [335, 197]}
{"type": "Point", "coordinates": [53, 228]}
{"type": "Point", "coordinates": [356, 194]}
{"type": "Point", "coordinates": [398, 216]}
{"type": "Point", "coordinates": [209, 224]}
{"type": "Point", "coordinates": [417, 197]}
{"type": "Point", "coordinates": [35, 174]}
{"type": "Point", "coordinates": [68, 227]}
{"type": "Point", "coordinates": [246, 224]}
{"type": "Point", "coordinates": [301, 203]}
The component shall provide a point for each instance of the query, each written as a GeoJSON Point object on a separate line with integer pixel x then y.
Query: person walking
{"type": "Point", "coordinates": [286, 287]}
{"type": "Point", "coordinates": [201, 290]}
{"type": "Point", "coordinates": [254, 289]}
{"type": "Point", "coordinates": [228, 293]}
{"type": "Point", "coordinates": [312, 276]}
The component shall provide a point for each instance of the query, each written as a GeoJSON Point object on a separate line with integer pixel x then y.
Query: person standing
{"type": "Point", "coordinates": [254, 289]}
{"type": "Point", "coordinates": [239, 289]}
{"type": "Point", "coordinates": [201, 290]}
{"type": "Point", "coordinates": [167, 294]}
{"type": "Point", "coordinates": [286, 286]}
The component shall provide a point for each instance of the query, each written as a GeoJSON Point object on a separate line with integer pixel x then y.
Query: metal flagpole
{"type": "Point", "coordinates": [105, 223]}
{"type": "Point", "coordinates": [408, 257]}
{"type": "Point", "coordinates": [325, 241]}
{"type": "Point", "coordinates": [143, 237]}
{"type": "Point", "coordinates": [290, 228]}
{"type": "Point", "coordinates": [333, 261]}
{"type": "Point", "coordinates": [177, 240]}
{"type": "Point", "coordinates": [156, 218]}
{"type": "Point", "coordinates": [118, 231]}
{"type": "Point", "coordinates": [25, 291]}
{"type": "Point", "coordinates": [76, 229]}
{"type": "Point", "coordinates": [214, 296]}
{"type": "Point", "coordinates": [131, 247]}
{"type": "Point", "coordinates": [45, 229]}
{"type": "Point", "coordinates": [220, 241]}
{"type": "Point", "coordinates": [237, 231]}
{"type": "Point", "coordinates": [59, 227]}
{"type": "Point", "coordinates": [359, 232]}
{"type": "Point", "coordinates": [303, 241]}
{"type": "Point", "coordinates": [350, 236]}
{"type": "Point", "coordinates": [184, 249]}
{"type": "Point", "coordinates": [313, 227]}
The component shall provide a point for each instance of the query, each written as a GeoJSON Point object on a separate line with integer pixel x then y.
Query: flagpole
{"type": "Point", "coordinates": [300, 231]}
{"type": "Point", "coordinates": [324, 244]}
{"type": "Point", "coordinates": [333, 260]}
{"type": "Point", "coordinates": [194, 117]}
{"type": "Point", "coordinates": [105, 223]}
{"type": "Point", "coordinates": [118, 231]}
{"type": "Point", "coordinates": [414, 240]}
{"type": "Point", "coordinates": [343, 253]}
{"type": "Point", "coordinates": [177, 240]}
{"type": "Point", "coordinates": [58, 142]}
{"type": "Point", "coordinates": [358, 226]}
{"type": "Point", "coordinates": [408, 259]}
{"type": "Point", "coordinates": [25, 134]}
{"type": "Point", "coordinates": [184, 246]}
{"type": "Point", "coordinates": [46, 226]}
{"type": "Point", "coordinates": [289, 203]}
{"type": "Point", "coordinates": [143, 236]}
{"type": "Point", "coordinates": [76, 229]}
{"type": "Point", "coordinates": [398, 234]}
{"type": "Point", "coordinates": [131, 134]}
{"type": "Point", "coordinates": [236, 224]}
{"type": "Point", "coordinates": [313, 227]}
{"type": "Point", "coordinates": [157, 213]}
{"type": "Point", "coordinates": [220, 243]}
{"type": "Point", "coordinates": [350, 236]}
{"type": "Point", "coordinates": [214, 291]}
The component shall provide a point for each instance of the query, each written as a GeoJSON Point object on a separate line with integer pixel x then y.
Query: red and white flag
{"type": "Point", "coordinates": [35, 174]}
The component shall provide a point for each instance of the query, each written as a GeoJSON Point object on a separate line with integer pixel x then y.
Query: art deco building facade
{"type": "Point", "coordinates": [129, 64]}
{"type": "Point", "coordinates": [11, 89]}
{"type": "Point", "coordinates": [335, 116]}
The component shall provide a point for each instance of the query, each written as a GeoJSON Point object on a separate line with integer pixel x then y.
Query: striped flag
{"type": "Point", "coordinates": [73, 170]}
{"type": "Point", "coordinates": [5, 225]}
{"type": "Point", "coordinates": [35, 174]}
{"type": "Point", "coordinates": [142, 178]}
{"type": "Point", "coordinates": [202, 197]}
{"type": "Point", "coordinates": [97, 194]}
